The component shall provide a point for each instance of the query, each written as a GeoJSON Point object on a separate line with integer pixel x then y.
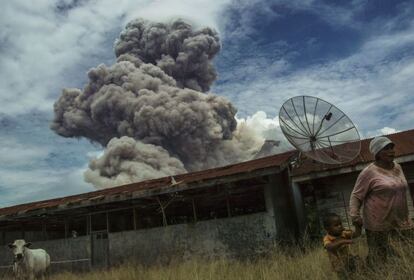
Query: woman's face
{"type": "Point", "coordinates": [387, 154]}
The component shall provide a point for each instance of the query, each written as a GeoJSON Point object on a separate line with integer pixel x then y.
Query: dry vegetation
{"type": "Point", "coordinates": [281, 264]}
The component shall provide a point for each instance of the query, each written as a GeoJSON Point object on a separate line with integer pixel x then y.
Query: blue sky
{"type": "Point", "coordinates": [358, 55]}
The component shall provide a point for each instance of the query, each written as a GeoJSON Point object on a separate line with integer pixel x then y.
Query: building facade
{"type": "Point", "coordinates": [234, 211]}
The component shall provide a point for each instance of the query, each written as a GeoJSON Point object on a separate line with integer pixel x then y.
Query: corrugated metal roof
{"type": "Point", "coordinates": [278, 161]}
{"type": "Point", "coordinates": [404, 145]}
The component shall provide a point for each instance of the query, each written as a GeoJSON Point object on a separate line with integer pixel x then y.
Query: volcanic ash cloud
{"type": "Point", "coordinates": [150, 111]}
{"type": "Point", "coordinates": [126, 160]}
{"type": "Point", "coordinates": [179, 51]}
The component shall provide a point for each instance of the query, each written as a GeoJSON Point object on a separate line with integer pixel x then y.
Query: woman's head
{"type": "Point", "coordinates": [382, 148]}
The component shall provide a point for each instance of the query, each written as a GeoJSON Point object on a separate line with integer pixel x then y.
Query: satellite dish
{"type": "Point", "coordinates": [319, 130]}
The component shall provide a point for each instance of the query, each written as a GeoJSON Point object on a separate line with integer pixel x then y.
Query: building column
{"type": "Point", "coordinates": [280, 205]}
{"type": "Point", "coordinates": [300, 207]}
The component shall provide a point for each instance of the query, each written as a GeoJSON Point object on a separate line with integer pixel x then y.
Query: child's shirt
{"type": "Point", "coordinates": [339, 258]}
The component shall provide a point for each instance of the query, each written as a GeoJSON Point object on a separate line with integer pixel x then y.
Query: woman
{"type": "Point", "coordinates": [381, 190]}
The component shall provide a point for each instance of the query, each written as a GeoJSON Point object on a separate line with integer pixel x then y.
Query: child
{"type": "Point", "coordinates": [336, 243]}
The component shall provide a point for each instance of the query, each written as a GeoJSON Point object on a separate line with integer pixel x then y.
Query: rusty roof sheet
{"type": "Point", "coordinates": [279, 161]}
{"type": "Point", "coordinates": [404, 145]}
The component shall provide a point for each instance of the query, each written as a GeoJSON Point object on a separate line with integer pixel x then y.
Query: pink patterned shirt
{"type": "Point", "coordinates": [383, 195]}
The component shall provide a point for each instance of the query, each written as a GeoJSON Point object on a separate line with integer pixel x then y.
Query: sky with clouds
{"type": "Point", "coordinates": [356, 54]}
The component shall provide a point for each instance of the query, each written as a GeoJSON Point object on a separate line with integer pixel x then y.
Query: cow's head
{"type": "Point", "coordinates": [18, 247]}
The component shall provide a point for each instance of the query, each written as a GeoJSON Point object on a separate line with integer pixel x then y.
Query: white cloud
{"type": "Point", "coordinates": [259, 123]}
{"type": "Point", "coordinates": [383, 131]}
{"type": "Point", "coordinates": [43, 45]}
{"type": "Point", "coordinates": [242, 25]}
{"type": "Point", "coordinates": [388, 130]}
{"type": "Point", "coordinates": [94, 154]}
{"type": "Point", "coordinates": [200, 13]}
{"type": "Point", "coordinates": [373, 86]}
{"type": "Point", "coordinates": [18, 186]}
{"type": "Point", "coordinates": [266, 128]}
{"type": "Point", "coordinates": [14, 154]}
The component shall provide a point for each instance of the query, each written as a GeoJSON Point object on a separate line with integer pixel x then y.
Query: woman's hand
{"type": "Point", "coordinates": [357, 221]}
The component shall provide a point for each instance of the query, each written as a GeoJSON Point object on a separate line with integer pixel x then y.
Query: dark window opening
{"type": "Point", "coordinates": [149, 216]}
{"type": "Point", "coordinates": [179, 212]}
{"type": "Point", "coordinates": [212, 204]}
{"type": "Point", "coordinates": [77, 227]}
{"type": "Point", "coordinates": [11, 233]}
{"type": "Point", "coordinates": [98, 222]}
{"type": "Point", "coordinates": [246, 200]}
{"type": "Point", "coordinates": [122, 220]}
{"type": "Point", "coordinates": [55, 229]}
{"type": "Point", "coordinates": [34, 231]}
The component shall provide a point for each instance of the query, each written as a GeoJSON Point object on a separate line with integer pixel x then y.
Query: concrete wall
{"type": "Point", "coordinates": [6, 257]}
{"type": "Point", "coordinates": [67, 249]}
{"type": "Point", "coordinates": [234, 237]}
{"type": "Point", "coordinates": [59, 250]}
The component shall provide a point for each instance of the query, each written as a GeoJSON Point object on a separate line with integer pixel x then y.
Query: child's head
{"type": "Point", "coordinates": [333, 224]}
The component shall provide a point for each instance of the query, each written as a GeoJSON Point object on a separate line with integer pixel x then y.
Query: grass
{"type": "Point", "coordinates": [293, 263]}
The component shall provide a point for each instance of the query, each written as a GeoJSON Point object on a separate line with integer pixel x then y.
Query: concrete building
{"type": "Point", "coordinates": [235, 211]}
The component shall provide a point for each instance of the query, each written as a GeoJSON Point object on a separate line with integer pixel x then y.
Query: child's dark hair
{"type": "Point", "coordinates": [327, 219]}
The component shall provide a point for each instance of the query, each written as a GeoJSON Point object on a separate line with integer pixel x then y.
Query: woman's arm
{"type": "Point", "coordinates": [354, 210]}
{"type": "Point", "coordinates": [410, 186]}
{"type": "Point", "coordinates": [358, 195]}
{"type": "Point", "coordinates": [358, 230]}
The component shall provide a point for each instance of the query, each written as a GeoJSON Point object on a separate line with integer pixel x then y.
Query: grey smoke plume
{"type": "Point", "coordinates": [143, 97]}
{"type": "Point", "coordinates": [179, 51]}
{"type": "Point", "coordinates": [126, 160]}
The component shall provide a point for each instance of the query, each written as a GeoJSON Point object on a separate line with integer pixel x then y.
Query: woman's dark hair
{"type": "Point", "coordinates": [327, 219]}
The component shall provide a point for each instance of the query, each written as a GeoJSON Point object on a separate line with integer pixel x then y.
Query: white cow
{"type": "Point", "coordinates": [29, 263]}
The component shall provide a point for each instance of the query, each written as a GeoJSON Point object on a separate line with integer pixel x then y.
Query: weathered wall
{"type": "Point", "coordinates": [6, 256]}
{"type": "Point", "coordinates": [59, 250]}
{"type": "Point", "coordinates": [67, 249]}
{"type": "Point", "coordinates": [234, 237]}
{"type": "Point", "coordinates": [238, 236]}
